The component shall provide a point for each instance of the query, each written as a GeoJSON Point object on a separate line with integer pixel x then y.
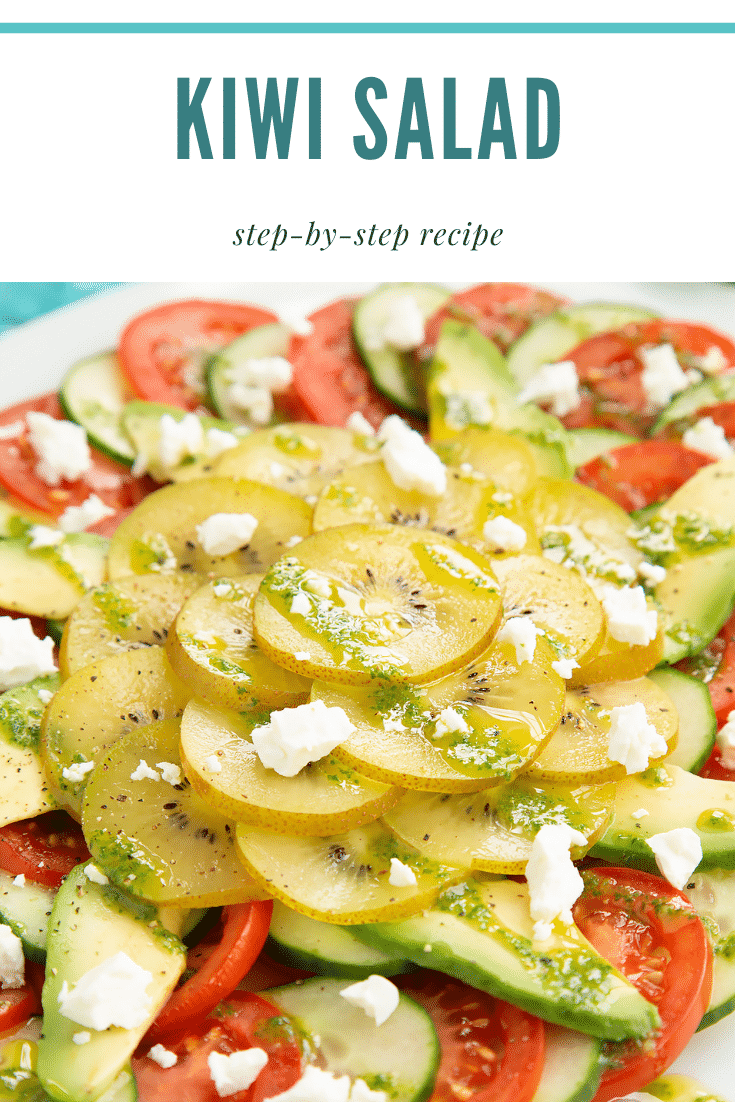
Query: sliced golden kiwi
{"type": "Point", "coordinates": [344, 878]}
{"type": "Point", "coordinates": [97, 705]}
{"type": "Point", "coordinates": [616, 661]}
{"type": "Point", "coordinates": [556, 599]}
{"type": "Point", "coordinates": [368, 495]}
{"type": "Point", "coordinates": [301, 459]}
{"type": "Point", "coordinates": [506, 459]}
{"type": "Point", "coordinates": [156, 838]}
{"type": "Point", "coordinates": [362, 601]}
{"type": "Point", "coordinates": [325, 797]}
{"type": "Point", "coordinates": [25, 786]}
{"type": "Point", "coordinates": [494, 829]}
{"type": "Point", "coordinates": [160, 534]}
{"type": "Point", "coordinates": [123, 615]}
{"type": "Point", "coordinates": [578, 749]}
{"type": "Point", "coordinates": [211, 647]}
{"type": "Point", "coordinates": [470, 729]}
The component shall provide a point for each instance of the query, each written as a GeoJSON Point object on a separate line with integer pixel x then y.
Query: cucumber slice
{"type": "Point", "coordinates": [303, 942]}
{"type": "Point", "coordinates": [697, 720]}
{"type": "Point", "coordinates": [264, 340]}
{"type": "Point", "coordinates": [586, 444]}
{"type": "Point", "coordinates": [26, 910]}
{"type": "Point", "coordinates": [549, 340]}
{"type": "Point", "coordinates": [713, 896]}
{"type": "Point", "coordinates": [572, 1066]}
{"type": "Point", "coordinates": [94, 393]}
{"type": "Point", "coordinates": [395, 373]}
{"type": "Point", "coordinates": [401, 1056]}
{"type": "Point", "coordinates": [684, 406]}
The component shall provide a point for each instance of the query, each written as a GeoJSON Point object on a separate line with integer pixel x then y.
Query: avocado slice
{"type": "Point", "coordinates": [89, 924]}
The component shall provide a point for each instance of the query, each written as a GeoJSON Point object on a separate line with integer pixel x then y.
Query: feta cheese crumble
{"type": "Point", "coordinates": [111, 993]}
{"type": "Point", "coordinates": [633, 740]}
{"type": "Point", "coordinates": [302, 656]}
{"type": "Point", "coordinates": [708, 437]}
{"type": "Point", "coordinates": [401, 328]}
{"type": "Point", "coordinates": [77, 771]}
{"type": "Point", "coordinates": [401, 876]}
{"type": "Point", "coordinates": [61, 447]}
{"type": "Point", "coordinates": [713, 362]}
{"type": "Point", "coordinates": [450, 721]}
{"type": "Point", "coordinates": [629, 619]}
{"type": "Point", "coordinates": [179, 438]}
{"type": "Point", "coordinates": [12, 431]}
{"type": "Point", "coordinates": [520, 632]}
{"type": "Point", "coordinates": [651, 573]}
{"type": "Point", "coordinates": [162, 1056]}
{"type": "Point", "coordinates": [19, 881]}
{"type": "Point", "coordinates": [296, 736]}
{"type": "Point", "coordinates": [316, 1085]}
{"type": "Point", "coordinates": [212, 764]}
{"type": "Point", "coordinates": [218, 441]}
{"type": "Point", "coordinates": [95, 875]}
{"type": "Point", "coordinates": [222, 533]}
{"type": "Point", "coordinates": [565, 667]}
{"type": "Point", "coordinates": [23, 655]}
{"type": "Point", "coordinates": [361, 1092]}
{"type": "Point", "coordinates": [76, 518]}
{"type": "Point", "coordinates": [677, 853]}
{"type": "Point", "coordinates": [376, 995]}
{"type": "Point", "coordinates": [235, 1071]}
{"type": "Point", "coordinates": [641, 813]}
{"type": "Point", "coordinates": [256, 401]}
{"type": "Point", "coordinates": [45, 696]}
{"type": "Point", "coordinates": [554, 884]}
{"type": "Point", "coordinates": [143, 772]}
{"type": "Point", "coordinates": [300, 605]}
{"type": "Point", "coordinates": [726, 742]}
{"type": "Point", "coordinates": [12, 961]}
{"type": "Point", "coordinates": [358, 423]}
{"type": "Point", "coordinates": [83, 1037]}
{"type": "Point", "coordinates": [409, 461]}
{"type": "Point", "coordinates": [662, 376]}
{"type": "Point", "coordinates": [504, 534]}
{"type": "Point", "coordinates": [556, 384]}
{"type": "Point", "coordinates": [43, 536]}
{"type": "Point", "coordinates": [170, 773]}
{"type": "Point", "coordinates": [272, 373]}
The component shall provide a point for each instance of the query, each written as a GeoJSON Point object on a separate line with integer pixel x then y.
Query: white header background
{"type": "Point", "coordinates": [641, 184]}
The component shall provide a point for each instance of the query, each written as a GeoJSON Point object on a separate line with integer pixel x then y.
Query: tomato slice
{"type": "Point", "coordinates": [637, 475]}
{"type": "Point", "coordinates": [163, 351]}
{"type": "Point", "coordinates": [44, 849]}
{"type": "Point", "coordinates": [715, 665]}
{"type": "Point", "coordinates": [112, 482]}
{"type": "Point", "coordinates": [217, 972]}
{"type": "Point", "coordinates": [18, 1004]}
{"type": "Point", "coordinates": [329, 377]}
{"type": "Point", "coordinates": [609, 367]}
{"type": "Point", "coordinates": [244, 1021]}
{"type": "Point", "coordinates": [490, 1051]}
{"type": "Point", "coordinates": [651, 933]}
{"type": "Point", "coordinates": [501, 311]}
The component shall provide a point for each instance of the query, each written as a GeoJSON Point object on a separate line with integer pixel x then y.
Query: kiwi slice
{"type": "Point", "coordinates": [159, 536]}
{"type": "Point", "coordinates": [361, 601]}
{"type": "Point", "coordinates": [211, 647]}
{"type": "Point", "coordinates": [505, 458]}
{"type": "Point", "coordinates": [344, 878]}
{"type": "Point", "coordinates": [301, 459]}
{"type": "Point", "coordinates": [160, 840]}
{"type": "Point", "coordinates": [468, 730]}
{"type": "Point", "coordinates": [616, 661]}
{"type": "Point", "coordinates": [577, 750]}
{"type": "Point", "coordinates": [494, 829]}
{"type": "Point", "coordinates": [98, 704]}
{"type": "Point", "coordinates": [123, 615]}
{"type": "Point", "coordinates": [367, 494]}
{"type": "Point", "coordinates": [325, 797]}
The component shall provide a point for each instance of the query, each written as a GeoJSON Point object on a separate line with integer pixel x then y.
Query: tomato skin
{"type": "Point", "coordinates": [244, 1021]}
{"type": "Point", "coordinates": [651, 933]}
{"type": "Point", "coordinates": [44, 849]}
{"type": "Point", "coordinates": [156, 346]}
{"type": "Point", "coordinates": [218, 974]}
{"type": "Point", "coordinates": [490, 1051]}
{"type": "Point", "coordinates": [501, 311]}
{"type": "Point", "coordinates": [636, 475]}
{"type": "Point", "coordinates": [18, 1004]}
{"type": "Point", "coordinates": [717, 671]}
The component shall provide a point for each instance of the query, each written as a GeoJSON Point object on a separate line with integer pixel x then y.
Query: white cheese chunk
{"type": "Point", "coordinates": [296, 736]}
{"type": "Point", "coordinates": [520, 632]}
{"type": "Point", "coordinates": [316, 1085]}
{"type": "Point", "coordinates": [361, 1092]}
{"type": "Point", "coordinates": [111, 993]}
{"type": "Point", "coordinates": [376, 995]}
{"type": "Point", "coordinates": [554, 883]}
{"type": "Point", "coordinates": [179, 438]}
{"type": "Point", "coordinates": [292, 541]}
{"type": "Point", "coordinates": [633, 739]}
{"type": "Point", "coordinates": [565, 667]}
{"type": "Point", "coordinates": [713, 362]}
{"type": "Point", "coordinates": [708, 437]}
{"type": "Point", "coordinates": [12, 961]}
{"type": "Point", "coordinates": [652, 573]}
{"type": "Point", "coordinates": [272, 373]}
{"type": "Point", "coordinates": [77, 771]}
{"type": "Point", "coordinates": [143, 772]}
{"type": "Point", "coordinates": [296, 322]}
{"type": "Point", "coordinates": [23, 655]}
{"type": "Point", "coordinates": [629, 620]}
{"type": "Point", "coordinates": [409, 461]}
{"type": "Point", "coordinates": [726, 742]}
{"type": "Point", "coordinates": [256, 401]}
{"type": "Point", "coordinates": [170, 773]}
{"type": "Point", "coordinates": [401, 876]}
{"type": "Point", "coordinates": [45, 696]}
{"type": "Point", "coordinates": [504, 534]}
{"type": "Point", "coordinates": [43, 536]}
{"type": "Point", "coordinates": [222, 533]}
{"type": "Point", "coordinates": [218, 441]}
{"type": "Point", "coordinates": [83, 1037]}
{"type": "Point", "coordinates": [449, 721]}
{"type": "Point", "coordinates": [555, 384]}
{"type": "Point", "coordinates": [61, 447]}
{"type": "Point", "coordinates": [222, 589]}
{"type": "Point", "coordinates": [19, 881]}
{"type": "Point", "coordinates": [212, 764]}
{"type": "Point", "coordinates": [641, 813]}
{"type": "Point", "coordinates": [12, 431]}
{"type": "Point", "coordinates": [163, 1056]}
{"type": "Point", "coordinates": [236, 1071]}
{"type": "Point", "coordinates": [662, 376]}
{"type": "Point", "coordinates": [95, 875]}
{"type": "Point", "coordinates": [677, 853]}
{"type": "Point", "coordinates": [302, 656]}
{"type": "Point", "coordinates": [76, 518]}
{"type": "Point", "coordinates": [300, 605]}
{"type": "Point", "coordinates": [402, 327]}
{"type": "Point", "coordinates": [358, 423]}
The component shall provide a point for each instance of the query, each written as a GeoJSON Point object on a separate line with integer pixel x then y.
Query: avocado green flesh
{"type": "Point", "coordinates": [481, 933]}
{"type": "Point", "coordinates": [696, 599]}
{"type": "Point", "coordinates": [583, 445]}
{"type": "Point", "coordinates": [90, 923]}
{"type": "Point", "coordinates": [19, 1081]}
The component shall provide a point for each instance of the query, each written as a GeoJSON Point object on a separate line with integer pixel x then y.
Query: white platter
{"type": "Point", "coordinates": [34, 357]}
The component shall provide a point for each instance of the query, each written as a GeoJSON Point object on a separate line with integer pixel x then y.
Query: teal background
{"type": "Point", "coordinates": [21, 302]}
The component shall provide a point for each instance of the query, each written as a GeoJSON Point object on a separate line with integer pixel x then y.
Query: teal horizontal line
{"type": "Point", "coordinates": [367, 28]}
